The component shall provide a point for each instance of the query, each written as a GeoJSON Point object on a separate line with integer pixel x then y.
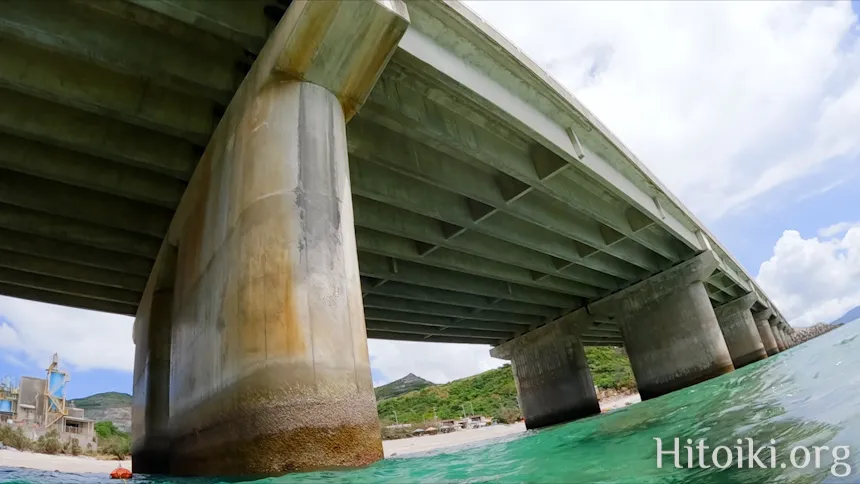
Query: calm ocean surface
{"type": "Point", "coordinates": [807, 396]}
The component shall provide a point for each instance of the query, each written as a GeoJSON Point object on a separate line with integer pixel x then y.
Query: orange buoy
{"type": "Point", "coordinates": [120, 473]}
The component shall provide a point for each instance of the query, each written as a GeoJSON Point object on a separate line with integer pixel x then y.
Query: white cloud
{"type": "Point", "coordinates": [13, 360]}
{"type": "Point", "coordinates": [437, 362]}
{"type": "Point", "coordinates": [724, 101]}
{"type": "Point", "coordinates": [837, 229]}
{"type": "Point", "coordinates": [85, 340]}
{"type": "Point", "coordinates": [814, 280]}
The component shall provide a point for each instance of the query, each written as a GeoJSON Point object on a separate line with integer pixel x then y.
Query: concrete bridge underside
{"type": "Point", "coordinates": [488, 207]}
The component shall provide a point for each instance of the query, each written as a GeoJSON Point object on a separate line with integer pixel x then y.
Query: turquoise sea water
{"type": "Point", "coordinates": [807, 396]}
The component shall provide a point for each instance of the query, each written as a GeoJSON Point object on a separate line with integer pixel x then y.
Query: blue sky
{"type": "Point", "coordinates": [748, 112]}
{"type": "Point", "coordinates": [751, 234]}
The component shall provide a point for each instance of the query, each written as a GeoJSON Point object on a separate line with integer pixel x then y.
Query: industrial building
{"type": "Point", "coordinates": [38, 405]}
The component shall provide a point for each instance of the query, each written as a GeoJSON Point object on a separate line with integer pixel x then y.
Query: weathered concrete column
{"type": "Point", "coordinates": [670, 331]}
{"type": "Point", "coordinates": [269, 365]}
{"type": "Point", "coordinates": [777, 334]}
{"type": "Point", "coordinates": [554, 384]}
{"type": "Point", "coordinates": [767, 337]}
{"type": "Point", "coordinates": [739, 330]}
{"type": "Point", "coordinates": [150, 447]}
{"type": "Point", "coordinates": [151, 444]}
{"type": "Point", "coordinates": [783, 337]}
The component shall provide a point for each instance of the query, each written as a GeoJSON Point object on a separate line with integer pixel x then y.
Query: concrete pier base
{"type": "Point", "coordinates": [765, 332]}
{"type": "Point", "coordinates": [269, 369]}
{"type": "Point", "coordinates": [777, 333]}
{"type": "Point", "coordinates": [739, 330]}
{"type": "Point", "coordinates": [150, 449]}
{"type": "Point", "coordinates": [670, 330]}
{"type": "Point", "coordinates": [785, 340]}
{"type": "Point", "coordinates": [554, 383]}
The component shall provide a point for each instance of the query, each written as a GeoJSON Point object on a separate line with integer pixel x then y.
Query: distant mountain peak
{"type": "Point", "coordinates": [852, 315]}
{"type": "Point", "coordinates": [408, 383]}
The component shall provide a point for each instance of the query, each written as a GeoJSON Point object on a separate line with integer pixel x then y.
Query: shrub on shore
{"type": "Point", "coordinates": [73, 447]}
{"type": "Point", "coordinates": [49, 443]}
{"type": "Point", "coordinates": [508, 415]}
{"type": "Point", "coordinates": [394, 433]}
{"type": "Point", "coordinates": [14, 438]}
{"type": "Point", "coordinates": [112, 440]}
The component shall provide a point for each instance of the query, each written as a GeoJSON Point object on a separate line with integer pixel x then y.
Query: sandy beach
{"type": "Point", "coordinates": [440, 441]}
{"type": "Point", "coordinates": [82, 464]}
{"type": "Point", "coordinates": [61, 463]}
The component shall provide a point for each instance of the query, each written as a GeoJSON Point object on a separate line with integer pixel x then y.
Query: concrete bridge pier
{"type": "Point", "coordinates": [150, 448]}
{"type": "Point", "coordinates": [777, 333]}
{"type": "Point", "coordinates": [784, 336]}
{"type": "Point", "coordinates": [670, 330]}
{"type": "Point", "coordinates": [739, 330]}
{"type": "Point", "coordinates": [780, 337]}
{"type": "Point", "coordinates": [764, 330]}
{"type": "Point", "coordinates": [554, 383]}
{"type": "Point", "coordinates": [269, 368]}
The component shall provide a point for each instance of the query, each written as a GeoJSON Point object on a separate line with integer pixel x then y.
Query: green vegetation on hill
{"type": "Point", "coordinates": [112, 440]}
{"type": "Point", "coordinates": [493, 393]}
{"type": "Point", "coordinates": [610, 368]}
{"type": "Point", "coordinates": [486, 393]}
{"type": "Point", "coordinates": [103, 400]}
{"type": "Point", "coordinates": [108, 407]}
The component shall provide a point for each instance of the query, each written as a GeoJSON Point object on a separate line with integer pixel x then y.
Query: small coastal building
{"type": "Point", "coordinates": [451, 425]}
{"type": "Point", "coordinates": [476, 421]}
{"type": "Point", "coordinates": [38, 406]}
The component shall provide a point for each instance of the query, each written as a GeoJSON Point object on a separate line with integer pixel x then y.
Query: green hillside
{"type": "Point", "coordinates": [103, 400]}
{"type": "Point", "coordinates": [493, 392]}
{"type": "Point", "coordinates": [112, 407]}
{"type": "Point", "coordinates": [487, 392]}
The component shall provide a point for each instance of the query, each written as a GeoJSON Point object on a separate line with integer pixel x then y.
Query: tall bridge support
{"type": "Point", "coordinates": [554, 383]}
{"type": "Point", "coordinates": [765, 332]}
{"type": "Point", "coordinates": [150, 403]}
{"type": "Point", "coordinates": [785, 339]}
{"type": "Point", "coordinates": [777, 333]}
{"type": "Point", "coordinates": [671, 334]}
{"type": "Point", "coordinates": [670, 330]}
{"type": "Point", "coordinates": [739, 330]}
{"type": "Point", "coordinates": [269, 368]}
